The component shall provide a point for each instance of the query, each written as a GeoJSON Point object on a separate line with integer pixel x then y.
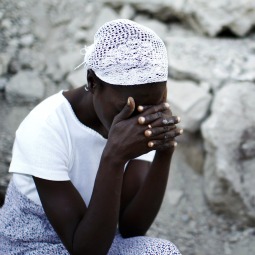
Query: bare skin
{"type": "Point", "coordinates": [132, 198]}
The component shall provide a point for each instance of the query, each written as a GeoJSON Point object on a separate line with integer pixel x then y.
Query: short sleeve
{"type": "Point", "coordinates": [147, 157]}
{"type": "Point", "coordinates": [41, 150]}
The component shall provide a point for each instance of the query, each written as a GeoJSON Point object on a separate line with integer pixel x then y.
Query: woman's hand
{"type": "Point", "coordinates": [143, 179]}
{"type": "Point", "coordinates": [153, 129]}
{"type": "Point", "coordinates": [126, 138]}
{"type": "Point", "coordinates": [161, 129]}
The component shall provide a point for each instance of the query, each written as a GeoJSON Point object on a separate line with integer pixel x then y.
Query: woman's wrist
{"type": "Point", "coordinates": [165, 153]}
{"type": "Point", "coordinates": [112, 158]}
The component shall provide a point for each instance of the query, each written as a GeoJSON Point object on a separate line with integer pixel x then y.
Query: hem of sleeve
{"type": "Point", "coordinates": [147, 156]}
{"type": "Point", "coordinates": [38, 172]}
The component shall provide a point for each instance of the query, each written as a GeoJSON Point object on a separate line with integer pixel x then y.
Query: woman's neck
{"type": "Point", "coordinates": [82, 105]}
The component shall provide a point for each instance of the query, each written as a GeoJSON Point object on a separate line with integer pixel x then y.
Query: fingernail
{"type": "Point", "coordinates": [128, 101]}
{"type": "Point", "coordinates": [181, 131]}
{"type": "Point", "coordinates": [150, 144]}
{"type": "Point", "coordinates": [175, 144]}
{"type": "Point", "coordinates": [147, 133]}
{"type": "Point", "coordinates": [141, 120]}
{"type": "Point", "coordinates": [167, 105]}
{"type": "Point", "coordinates": [179, 119]}
{"type": "Point", "coordinates": [140, 108]}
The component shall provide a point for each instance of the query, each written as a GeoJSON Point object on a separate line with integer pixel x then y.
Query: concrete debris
{"type": "Point", "coordinates": [77, 78]}
{"type": "Point", "coordinates": [211, 55]}
{"type": "Point", "coordinates": [206, 17]}
{"type": "Point", "coordinates": [188, 101]}
{"type": "Point", "coordinates": [229, 142]}
{"type": "Point", "coordinates": [17, 89]}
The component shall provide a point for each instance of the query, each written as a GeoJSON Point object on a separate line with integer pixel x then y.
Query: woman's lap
{"type": "Point", "coordinates": [24, 229]}
{"type": "Point", "coordinates": [142, 245]}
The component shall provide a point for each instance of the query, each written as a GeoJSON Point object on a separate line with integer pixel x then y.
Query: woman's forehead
{"type": "Point", "coordinates": [143, 94]}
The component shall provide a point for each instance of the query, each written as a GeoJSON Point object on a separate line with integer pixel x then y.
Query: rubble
{"type": "Point", "coordinates": [25, 87]}
{"type": "Point", "coordinates": [211, 55]}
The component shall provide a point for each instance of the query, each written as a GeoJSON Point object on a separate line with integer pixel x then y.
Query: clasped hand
{"type": "Point", "coordinates": [153, 128]}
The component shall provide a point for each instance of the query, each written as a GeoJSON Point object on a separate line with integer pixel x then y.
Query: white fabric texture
{"type": "Point", "coordinates": [51, 143]}
{"type": "Point", "coordinates": [127, 53]}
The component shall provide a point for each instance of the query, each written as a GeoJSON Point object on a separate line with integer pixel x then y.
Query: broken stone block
{"type": "Point", "coordinates": [25, 87]}
{"type": "Point", "coordinates": [188, 101]}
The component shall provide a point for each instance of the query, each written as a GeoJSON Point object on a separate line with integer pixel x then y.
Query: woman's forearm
{"type": "Point", "coordinates": [96, 230]}
{"type": "Point", "coordinates": [138, 216]}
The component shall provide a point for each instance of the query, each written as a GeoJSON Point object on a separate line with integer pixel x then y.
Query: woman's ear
{"type": "Point", "coordinates": [91, 81]}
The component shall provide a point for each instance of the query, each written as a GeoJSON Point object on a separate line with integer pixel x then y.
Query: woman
{"type": "Point", "coordinates": [90, 165]}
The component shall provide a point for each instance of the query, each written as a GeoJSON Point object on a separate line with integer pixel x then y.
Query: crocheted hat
{"type": "Point", "coordinates": [127, 53]}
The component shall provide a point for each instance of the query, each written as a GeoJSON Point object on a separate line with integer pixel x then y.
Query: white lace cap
{"type": "Point", "coordinates": [127, 53]}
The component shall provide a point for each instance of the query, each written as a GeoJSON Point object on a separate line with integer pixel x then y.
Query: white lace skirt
{"type": "Point", "coordinates": [25, 230]}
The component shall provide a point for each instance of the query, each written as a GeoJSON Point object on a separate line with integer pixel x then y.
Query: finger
{"type": "Point", "coordinates": [166, 121]}
{"type": "Point", "coordinates": [170, 135]}
{"type": "Point", "coordinates": [157, 144]}
{"type": "Point", "coordinates": [163, 132]}
{"type": "Point", "coordinates": [158, 119]}
{"type": "Point", "coordinates": [126, 112]}
{"type": "Point", "coordinates": [149, 118]}
{"type": "Point", "coordinates": [151, 132]}
{"type": "Point", "coordinates": [165, 146]}
{"type": "Point", "coordinates": [172, 120]}
{"type": "Point", "coordinates": [149, 109]}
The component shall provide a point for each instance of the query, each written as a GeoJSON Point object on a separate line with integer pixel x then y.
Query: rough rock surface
{"type": "Point", "coordinates": [105, 15]}
{"type": "Point", "coordinates": [77, 78]}
{"type": "Point", "coordinates": [215, 61]}
{"type": "Point", "coordinates": [45, 38]}
{"type": "Point", "coordinates": [156, 25]}
{"type": "Point", "coordinates": [229, 135]}
{"type": "Point", "coordinates": [208, 17]}
{"type": "Point", "coordinates": [4, 61]}
{"type": "Point", "coordinates": [188, 101]}
{"type": "Point", "coordinates": [25, 87]}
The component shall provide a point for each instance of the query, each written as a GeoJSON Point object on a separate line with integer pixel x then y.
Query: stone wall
{"type": "Point", "coordinates": [211, 50]}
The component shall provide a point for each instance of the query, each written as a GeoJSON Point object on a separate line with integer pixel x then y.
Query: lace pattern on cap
{"type": "Point", "coordinates": [126, 53]}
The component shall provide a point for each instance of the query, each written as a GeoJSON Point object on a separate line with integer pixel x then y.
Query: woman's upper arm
{"type": "Point", "coordinates": [134, 176]}
{"type": "Point", "coordinates": [63, 206]}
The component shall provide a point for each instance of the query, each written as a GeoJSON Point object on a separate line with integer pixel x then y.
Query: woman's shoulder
{"type": "Point", "coordinates": [48, 106]}
{"type": "Point", "coordinates": [45, 112]}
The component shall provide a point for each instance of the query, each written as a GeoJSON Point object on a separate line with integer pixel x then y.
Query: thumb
{"type": "Point", "coordinates": [127, 110]}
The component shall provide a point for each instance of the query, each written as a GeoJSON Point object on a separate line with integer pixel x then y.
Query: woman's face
{"type": "Point", "coordinates": [109, 100]}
